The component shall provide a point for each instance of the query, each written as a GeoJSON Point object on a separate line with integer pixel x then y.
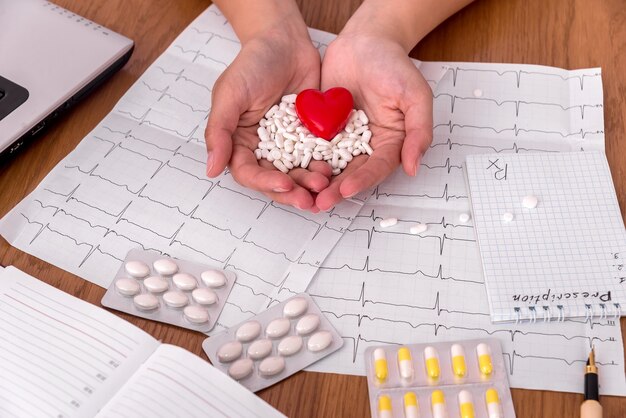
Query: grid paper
{"type": "Point", "coordinates": [386, 286]}
{"type": "Point", "coordinates": [565, 257]}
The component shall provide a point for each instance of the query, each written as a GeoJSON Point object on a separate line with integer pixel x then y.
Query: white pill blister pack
{"type": "Point", "coordinates": [274, 344]}
{"type": "Point", "coordinates": [460, 379]}
{"type": "Point", "coordinates": [178, 292]}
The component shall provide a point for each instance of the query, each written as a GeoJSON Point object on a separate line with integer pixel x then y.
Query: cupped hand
{"type": "Point", "coordinates": [398, 101]}
{"type": "Point", "coordinates": [280, 60]}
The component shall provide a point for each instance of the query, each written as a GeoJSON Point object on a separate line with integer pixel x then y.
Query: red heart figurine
{"type": "Point", "coordinates": [324, 114]}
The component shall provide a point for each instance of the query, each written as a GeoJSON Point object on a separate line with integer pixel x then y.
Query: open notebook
{"type": "Point", "coordinates": [566, 257]}
{"type": "Point", "coordinates": [62, 357]}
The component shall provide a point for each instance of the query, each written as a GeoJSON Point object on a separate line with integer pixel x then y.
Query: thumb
{"type": "Point", "coordinates": [226, 105]}
{"type": "Point", "coordinates": [418, 126]}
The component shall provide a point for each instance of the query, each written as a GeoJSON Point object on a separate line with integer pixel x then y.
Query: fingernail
{"type": "Point", "coordinates": [209, 162]}
{"type": "Point", "coordinates": [417, 165]}
{"type": "Point", "coordinates": [280, 190]}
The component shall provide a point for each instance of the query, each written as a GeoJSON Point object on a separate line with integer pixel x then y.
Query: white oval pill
{"type": "Point", "coordinates": [295, 307]}
{"type": "Point", "coordinates": [165, 266]}
{"type": "Point", "coordinates": [278, 327]}
{"type": "Point", "coordinates": [137, 269]}
{"type": "Point", "coordinates": [418, 229]}
{"type": "Point", "coordinates": [388, 222]}
{"type": "Point", "coordinates": [204, 296]}
{"type": "Point", "coordinates": [213, 278]}
{"type": "Point", "coordinates": [241, 368]}
{"type": "Point", "coordinates": [260, 349]}
{"type": "Point", "coordinates": [175, 299]}
{"type": "Point", "coordinates": [196, 314]}
{"type": "Point", "coordinates": [229, 351]}
{"type": "Point", "coordinates": [248, 331]}
{"type": "Point", "coordinates": [271, 366]}
{"type": "Point", "coordinates": [127, 287]}
{"type": "Point", "coordinates": [507, 217]}
{"type": "Point", "coordinates": [307, 324]}
{"type": "Point", "coordinates": [184, 281]}
{"type": "Point", "coordinates": [530, 202]}
{"type": "Point", "coordinates": [319, 341]}
{"type": "Point", "coordinates": [290, 345]}
{"type": "Point", "coordinates": [146, 301]}
{"type": "Point", "coordinates": [464, 218]}
{"type": "Point", "coordinates": [156, 284]}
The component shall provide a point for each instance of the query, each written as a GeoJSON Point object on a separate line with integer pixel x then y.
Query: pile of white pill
{"type": "Point", "coordinates": [288, 144]}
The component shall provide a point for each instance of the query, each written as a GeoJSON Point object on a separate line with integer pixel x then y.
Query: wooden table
{"type": "Point", "coordinates": [562, 33]}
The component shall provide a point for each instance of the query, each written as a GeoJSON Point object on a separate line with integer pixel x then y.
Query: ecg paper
{"type": "Point", "coordinates": [563, 258]}
{"type": "Point", "coordinates": [388, 286]}
{"type": "Point", "coordinates": [376, 285]}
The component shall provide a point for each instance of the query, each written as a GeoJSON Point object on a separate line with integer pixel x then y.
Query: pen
{"type": "Point", "coordinates": [591, 408]}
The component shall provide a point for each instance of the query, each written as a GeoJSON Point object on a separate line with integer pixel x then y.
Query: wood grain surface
{"type": "Point", "coordinates": [563, 33]}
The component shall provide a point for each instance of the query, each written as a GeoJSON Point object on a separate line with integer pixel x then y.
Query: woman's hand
{"type": "Point", "coordinates": [393, 93]}
{"type": "Point", "coordinates": [275, 60]}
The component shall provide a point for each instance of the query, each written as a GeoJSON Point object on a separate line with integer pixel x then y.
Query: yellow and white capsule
{"type": "Point", "coordinates": [411, 410]}
{"type": "Point", "coordinates": [494, 408]}
{"type": "Point", "coordinates": [380, 365]}
{"type": "Point", "coordinates": [405, 364]}
{"type": "Point", "coordinates": [484, 359]}
{"type": "Point", "coordinates": [384, 407]}
{"type": "Point", "coordinates": [438, 404]}
{"type": "Point", "coordinates": [432, 363]}
{"type": "Point", "coordinates": [466, 404]}
{"type": "Point", "coordinates": [459, 368]}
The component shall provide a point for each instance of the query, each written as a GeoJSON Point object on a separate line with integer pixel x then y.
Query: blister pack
{"type": "Point", "coordinates": [274, 344]}
{"type": "Point", "coordinates": [463, 379]}
{"type": "Point", "coordinates": [177, 292]}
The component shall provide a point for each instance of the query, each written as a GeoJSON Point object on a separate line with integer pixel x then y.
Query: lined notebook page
{"type": "Point", "coordinates": [61, 357]}
{"type": "Point", "coordinates": [176, 383]}
{"type": "Point", "coordinates": [564, 258]}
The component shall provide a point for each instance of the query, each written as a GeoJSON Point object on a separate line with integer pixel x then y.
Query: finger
{"type": "Point", "coordinates": [418, 125]}
{"type": "Point", "coordinates": [246, 170]}
{"type": "Point", "coordinates": [298, 197]}
{"type": "Point", "coordinates": [227, 105]}
{"type": "Point", "coordinates": [378, 166]}
{"type": "Point", "coordinates": [310, 180]}
{"type": "Point", "coordinates": [321, 167]}
{"type": "Point", "coordinates": [330, 196]}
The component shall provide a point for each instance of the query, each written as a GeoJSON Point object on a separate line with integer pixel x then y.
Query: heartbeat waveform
{"type": "Point", "coordinates": [363, 301]}
{"type": "Point", "coordinates": [442, 239]}
{"type": "Point", "coordinates": [143, 121]}
{"type": "Point", "coordinates": [443, 223]}
{"type": "Point", "coordinates": [515, 129]}
{"type": "Point", "coordinates": [164, 93]}
{"type": "Point", "coordinates": [510, 359]}
{"type": "Point", "coordinates": [358, 356]}
{"type": "Point", "coordinates": [366, 268]}
{"type": "Point", "coordinates": [179, 76]}
{"type": "Point", "coordinates": [445, 166]}
{"type": "Point", "coordinates": [519, 73]}
{"type": "Point", "coordinates": [198, 54]}
{"type": "Point", "coordinates": [517, 103]}
{"type": "Point", "coordinates": [514, 148]}
{"type": "Point", "coordinates": [444, 194]}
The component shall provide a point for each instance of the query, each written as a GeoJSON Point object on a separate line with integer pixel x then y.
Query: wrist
{"type": "Point", "coordinates": [402, 21]}
{"type": "Point", "coordinates": [258, 18]}
{"type": "Point", "coordinates": [380, 19]}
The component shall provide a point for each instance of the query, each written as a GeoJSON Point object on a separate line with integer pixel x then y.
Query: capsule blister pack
{"type": "Point", "coordinates": [457, 379]}
{"type": "Point", "coordinates": [177, 292]}
{"type": "Point", "coordinates": [274, 344]}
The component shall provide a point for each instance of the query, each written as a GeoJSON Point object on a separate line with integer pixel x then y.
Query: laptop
{"type": "Point", "coordinates": [50, 58]}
